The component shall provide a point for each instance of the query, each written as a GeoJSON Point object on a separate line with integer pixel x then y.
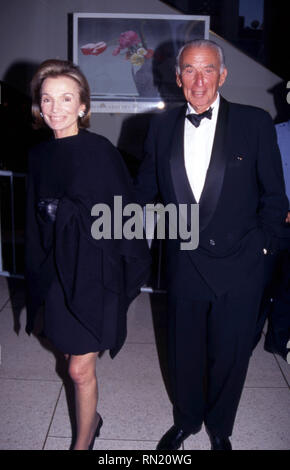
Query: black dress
{"type": "Point", "coordinates": [86, 285]}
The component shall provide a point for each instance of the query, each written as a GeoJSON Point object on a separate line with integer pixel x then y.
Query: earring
{"type": "Point", "coordinates": [81, 114]}
{"type": "Point", "coordinates": [41, 115]}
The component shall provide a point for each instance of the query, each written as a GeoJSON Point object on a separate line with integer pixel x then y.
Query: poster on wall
{"type": "Point", "coordinates": [129, 59]}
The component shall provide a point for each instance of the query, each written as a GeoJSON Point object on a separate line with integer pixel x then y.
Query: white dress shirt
{"type": "Point", "coordinates": [198, 142]}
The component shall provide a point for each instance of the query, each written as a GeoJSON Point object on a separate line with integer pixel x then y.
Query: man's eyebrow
{"type": "Point", "coordinates": [65, 93]}
{"type": "Point", "coordinates": [212, 66]}
{"type": "Point", "coordinates": [184, 66]}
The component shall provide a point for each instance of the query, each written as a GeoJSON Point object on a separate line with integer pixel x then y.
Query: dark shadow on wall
{"type": "Point", "coordinates": [15, 116]}
{"type": "Point", "coordinates": [280, 92]}
{"type": "Point", "coordinates": [156, 80]}
{"type": "Point", "coordinates": [131, 140]}
{"type": "Point", "coordinates": [19, 75]}
{"type": "Point", "coordinates": [17, 136]}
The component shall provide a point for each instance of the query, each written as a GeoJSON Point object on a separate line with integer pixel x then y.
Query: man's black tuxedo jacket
{"type": "Point", "coordinates": [243, 203]}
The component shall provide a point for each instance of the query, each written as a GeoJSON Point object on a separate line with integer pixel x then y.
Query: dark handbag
{"type": "Point", "coordinates": [47, 209]}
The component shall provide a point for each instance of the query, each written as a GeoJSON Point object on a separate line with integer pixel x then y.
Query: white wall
{"type": "Point", "coordinates": [37, 28]}
{"type": "Point", "coordinates": [34, 30]}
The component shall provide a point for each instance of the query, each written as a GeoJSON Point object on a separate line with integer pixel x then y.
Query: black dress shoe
{"type": "Point", "coordinates": [220, 443]}
{"type": "Point", "coordinates": [173, 439]}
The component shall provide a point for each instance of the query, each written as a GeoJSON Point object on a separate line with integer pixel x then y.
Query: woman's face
{"type": "Point", "coordinates": [60, 105]}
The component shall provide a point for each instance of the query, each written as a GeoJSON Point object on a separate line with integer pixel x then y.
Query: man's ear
{"type": "Point", "coordinates": [223, 77]}
{"type": "Point", "coordinates": [178, 81]}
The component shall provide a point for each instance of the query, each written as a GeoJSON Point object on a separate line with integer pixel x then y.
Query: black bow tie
{"type": "Point", "coordinates": [196, 118]}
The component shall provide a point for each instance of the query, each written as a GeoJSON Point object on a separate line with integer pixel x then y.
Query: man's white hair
{"type": "Point", "coordinates": [202, 43]}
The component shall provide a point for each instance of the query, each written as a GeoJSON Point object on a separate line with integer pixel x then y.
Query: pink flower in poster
{"type": "Point", "coordinates": [116, 51]}
{"type": "Point", "coordinates": [128, 38]}
{"type": "Point", "coordinates": [136, 49]}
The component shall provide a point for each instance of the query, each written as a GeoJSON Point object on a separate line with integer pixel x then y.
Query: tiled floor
{"type": "Point", "coordinates": [133, 399]}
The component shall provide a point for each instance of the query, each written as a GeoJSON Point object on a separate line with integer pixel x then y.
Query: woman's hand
{"type": "Point", "coordinates": [47, 209]}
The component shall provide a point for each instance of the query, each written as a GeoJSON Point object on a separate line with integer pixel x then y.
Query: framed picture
{"type": "Point", "coordinates": [129, 59]}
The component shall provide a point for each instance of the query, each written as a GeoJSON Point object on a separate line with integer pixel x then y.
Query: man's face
{"type": "Point", "coordinates": [200, 76]}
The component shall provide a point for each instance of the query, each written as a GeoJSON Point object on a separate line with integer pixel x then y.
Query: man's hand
{"type": "Point", "coordinates": [287, 220]}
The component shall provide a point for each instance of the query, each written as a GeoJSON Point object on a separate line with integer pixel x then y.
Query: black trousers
{"type": "Point", "coordinates": [210, 344]}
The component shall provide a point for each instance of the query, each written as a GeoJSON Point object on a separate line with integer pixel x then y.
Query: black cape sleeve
{"type": "Point", "coordinates": [39, 265]}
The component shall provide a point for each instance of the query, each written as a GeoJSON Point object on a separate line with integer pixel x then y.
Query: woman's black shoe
{"type": "Point", "coordinates": [97, 433]}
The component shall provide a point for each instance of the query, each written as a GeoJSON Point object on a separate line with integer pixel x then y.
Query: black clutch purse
{"type": "Point", "coordinates": [47, 209]}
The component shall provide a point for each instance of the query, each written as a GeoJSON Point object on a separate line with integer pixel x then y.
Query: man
{"type": "Point", "coordinates": [229, 164]}
{"type": "Point", "coordinates": [283, 135]}
{"type": "Point", "coordinates": [277, 293]}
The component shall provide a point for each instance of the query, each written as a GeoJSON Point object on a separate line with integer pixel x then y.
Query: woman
{"type": "Point", "coordinates": [85, 284]}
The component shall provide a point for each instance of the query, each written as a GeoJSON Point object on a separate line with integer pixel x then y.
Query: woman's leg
{"type": "Point", "coordinates": [82, 370]}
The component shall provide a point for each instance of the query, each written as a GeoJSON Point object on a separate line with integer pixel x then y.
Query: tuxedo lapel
{"type": "Point", "coordinates": [182, 189]}
{"type": "Point", "coordinates": [215, 174]}
{"type": "Point", "coordinates": [216, 170]}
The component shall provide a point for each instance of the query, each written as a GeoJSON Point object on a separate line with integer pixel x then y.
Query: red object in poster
{"type": "Point", "coordinates": [94, 48]}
